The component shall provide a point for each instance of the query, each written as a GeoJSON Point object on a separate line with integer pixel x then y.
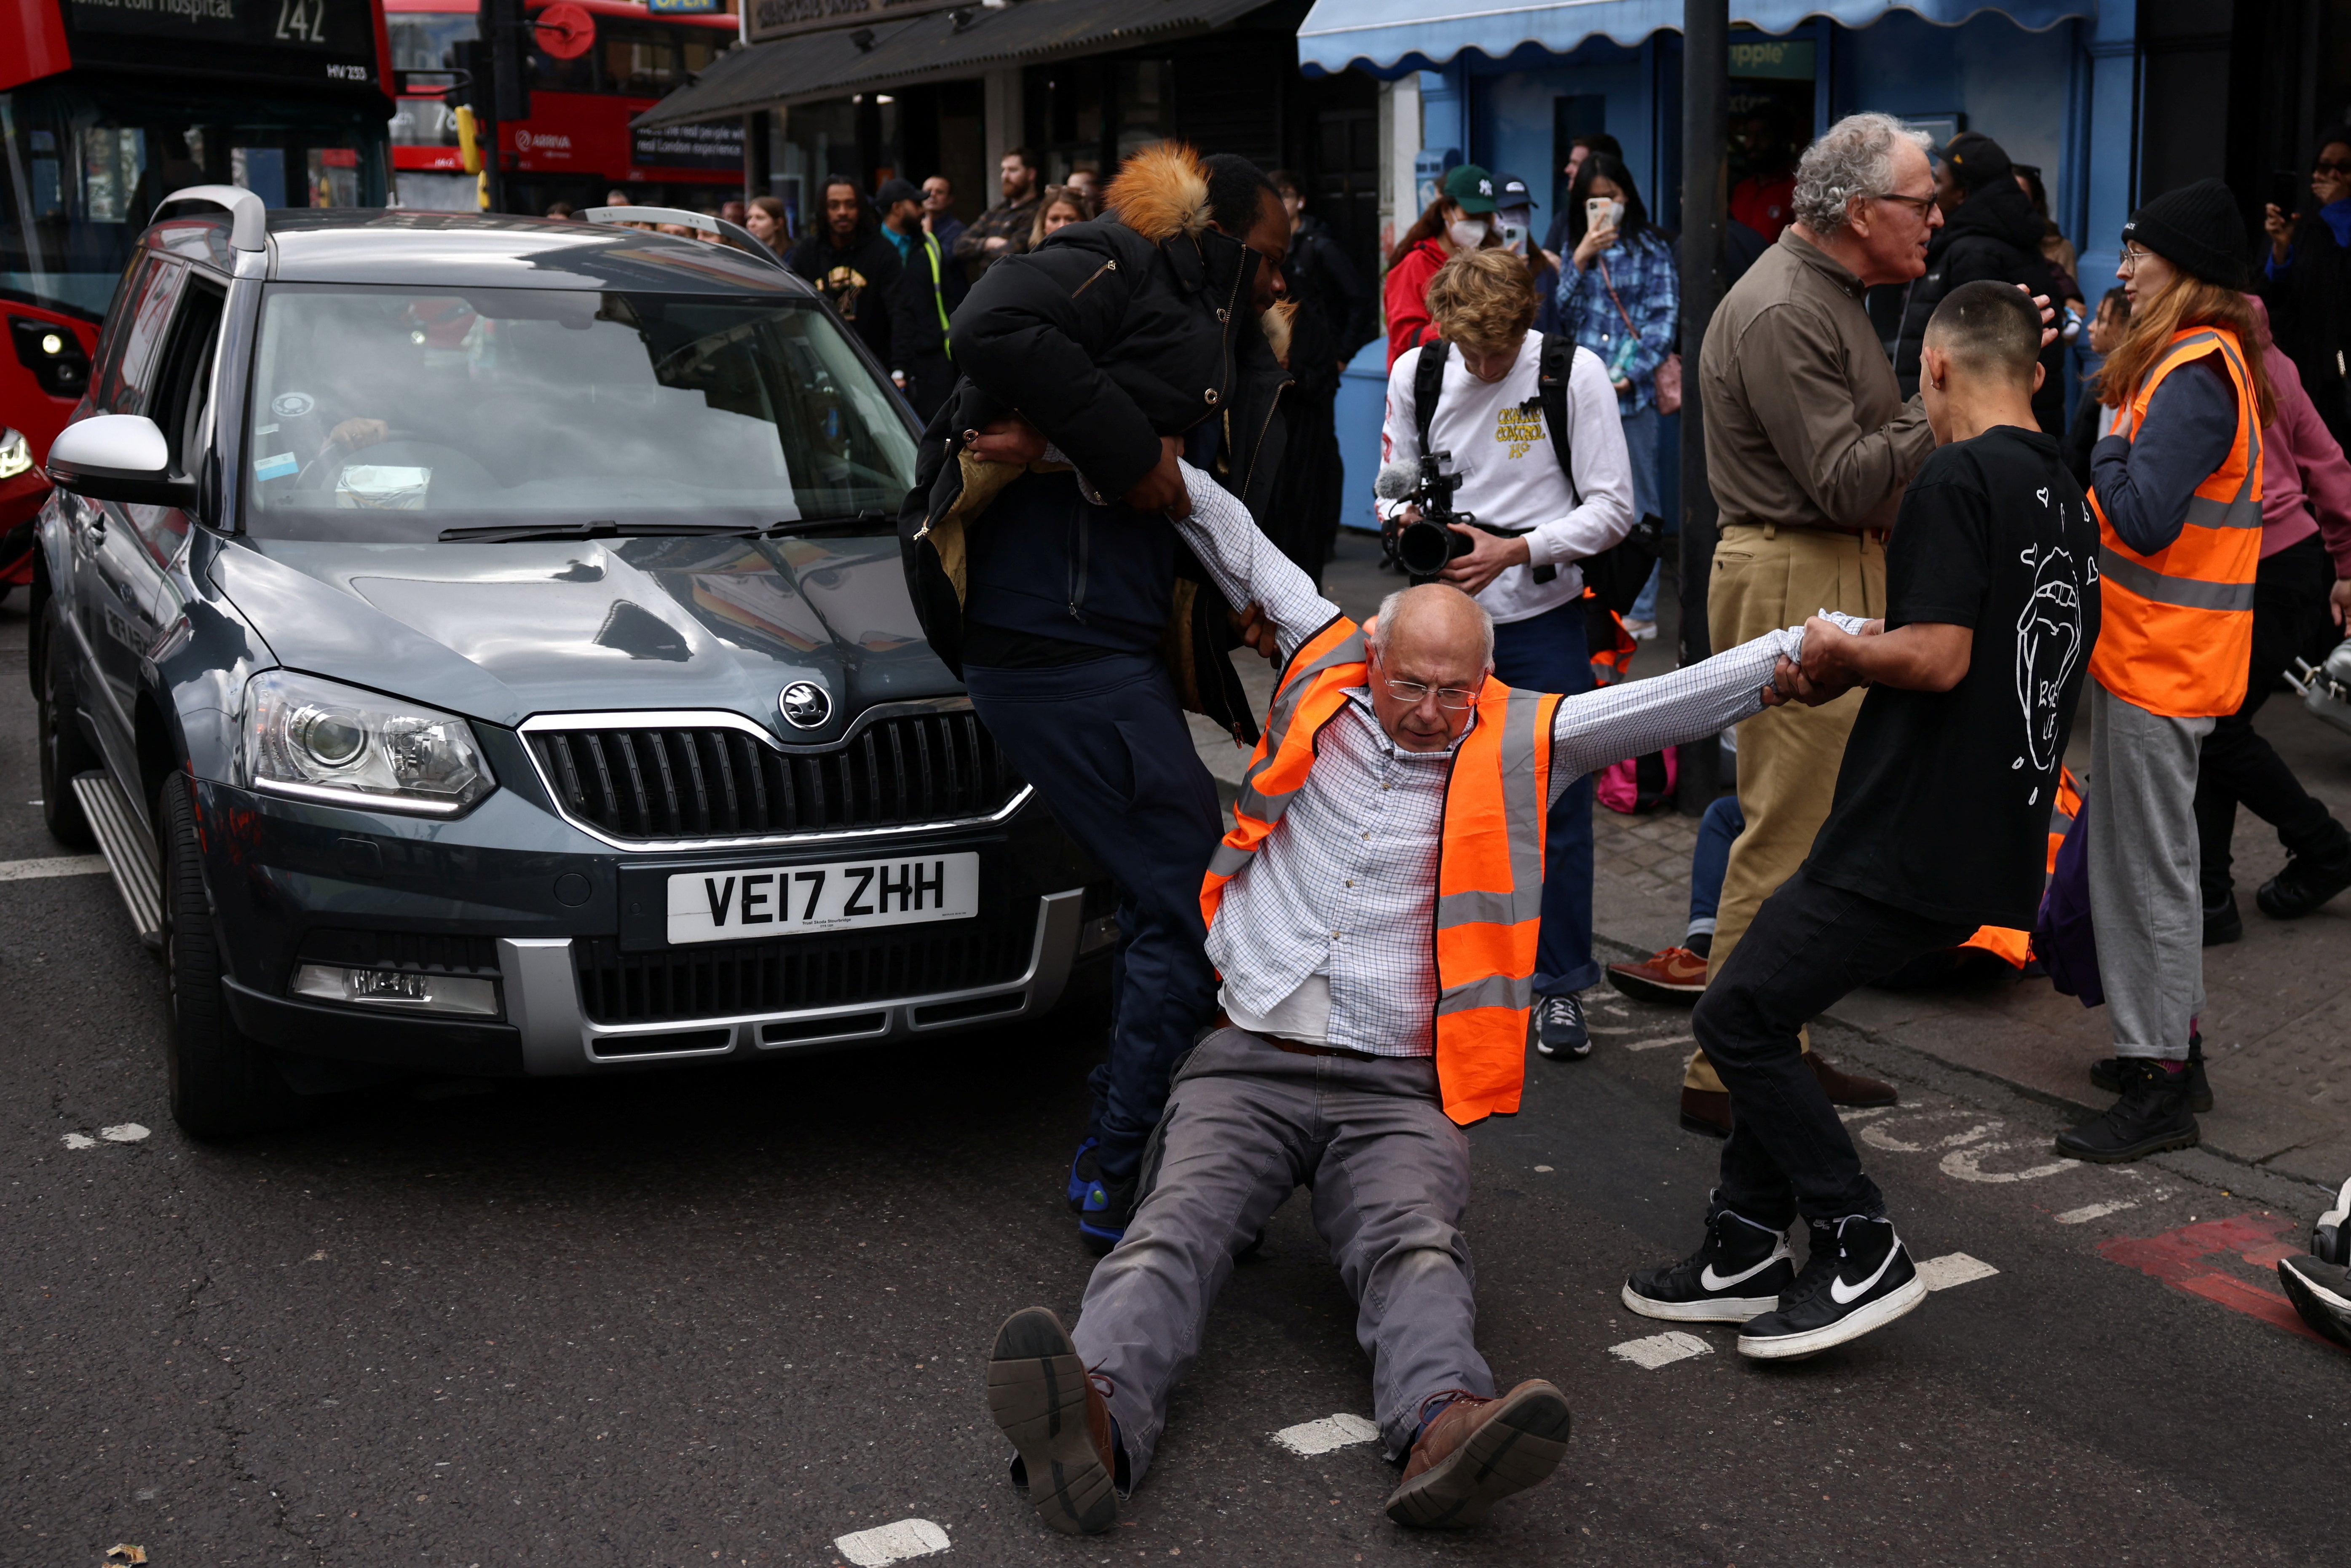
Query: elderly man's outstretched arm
{"type": "Point", "coordinates": [1635, 717]}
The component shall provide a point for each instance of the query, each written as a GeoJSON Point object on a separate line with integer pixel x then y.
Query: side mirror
{"type": "Point", "coordinates": [118, 458]}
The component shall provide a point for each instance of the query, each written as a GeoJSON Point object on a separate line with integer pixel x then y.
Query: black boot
{"type": "Point", "coordinates": [2311, 877]}
{"type": "Point", "coordinates": [2222, 922]}
{"type": "Point", "coordinates": [2106, 1074]}
{"type": "Point", "coordinates": [2151, 1116]}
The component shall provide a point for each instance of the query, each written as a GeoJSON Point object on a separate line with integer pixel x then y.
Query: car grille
{"type": "Point", "coordinates": [738, 978]}
{"type": "Point", "coordinates": [715, 783]}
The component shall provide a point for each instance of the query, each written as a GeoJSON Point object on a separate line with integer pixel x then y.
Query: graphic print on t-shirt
{"type": "Point", "coordinates": [2048, 644]}
{"type": "Point", "coordinates": [1519, 427]}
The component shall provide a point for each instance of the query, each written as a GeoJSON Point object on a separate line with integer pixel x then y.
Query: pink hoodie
{"type": "Point", "coordinates": [2303, 468]}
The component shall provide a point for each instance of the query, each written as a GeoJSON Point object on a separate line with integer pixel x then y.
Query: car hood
{"type": "Point", "coordinates": [502, 632]}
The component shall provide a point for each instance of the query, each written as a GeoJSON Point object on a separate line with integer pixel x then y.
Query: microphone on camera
{"type": "Point", "coordinates": [1395, 481]}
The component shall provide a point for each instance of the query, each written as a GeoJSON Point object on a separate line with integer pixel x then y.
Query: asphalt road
{"type": "Point", "coordinates": [732, 1316]}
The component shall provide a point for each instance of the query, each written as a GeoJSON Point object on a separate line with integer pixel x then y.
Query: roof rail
{"type": "Point", "coordinates": [249, 226]}
{"type": "Point", "coordinates": [717, 229]}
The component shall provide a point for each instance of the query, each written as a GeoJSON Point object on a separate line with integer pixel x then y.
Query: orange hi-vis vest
{"type": "Point", "coordinates": [2015, 947]}
{"type": "Point", "coordinates": [1490, 870]}
{"type": "Point", "coordinates": [2175, 628]}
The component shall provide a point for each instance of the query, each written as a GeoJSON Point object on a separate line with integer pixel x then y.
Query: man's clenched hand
{"type": "Point", "coordinates": [1013, 440]}
{"type": "Point", "coordinates": [1162, 489]}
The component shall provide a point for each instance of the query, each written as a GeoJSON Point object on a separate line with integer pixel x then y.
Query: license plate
{"type": "Point", "coordinates": [845, 895]}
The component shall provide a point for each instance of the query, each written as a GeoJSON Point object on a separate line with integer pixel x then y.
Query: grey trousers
{"type": "Point", "coordinates": [1246, 1123]}
{"type": "Point", "coordinates": [2146, 900]}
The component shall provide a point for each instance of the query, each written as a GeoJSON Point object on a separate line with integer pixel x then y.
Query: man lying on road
{"type": "Point", "coordinates": [1399, 788]}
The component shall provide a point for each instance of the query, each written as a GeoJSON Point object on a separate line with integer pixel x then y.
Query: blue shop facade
{"type": "Point", "coordinates": [2108, 99]}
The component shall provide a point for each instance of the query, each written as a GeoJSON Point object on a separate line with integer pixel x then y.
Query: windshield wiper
{"type": "Point", "coordinates": [602, 529]}
{"type": "Point", "coordinates": [797, 526]}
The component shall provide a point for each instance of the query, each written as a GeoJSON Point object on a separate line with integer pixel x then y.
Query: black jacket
{"type": "Point", "coordinates": [1994, 234]}
{"type": "Point", "coordinates": [860, 282]}
{"type": "Point", "coordinates": [2310, 317]}
{"type": "Point", "coordinates": [1108, 335]}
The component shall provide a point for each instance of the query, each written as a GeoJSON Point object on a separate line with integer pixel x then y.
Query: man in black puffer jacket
{"type": "Point", "coordinates": [1042, 559]}
{"type": "Point", "coordinates": [1990, 231]}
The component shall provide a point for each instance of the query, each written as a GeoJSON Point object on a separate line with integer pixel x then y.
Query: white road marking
{"type": "Point", "coordinates": [1967, 1165]}
{"type": "Point", "coordinates": [1341, 1431]}
{"type": "Point", "coordinates": [2090, 1211]}
{"type": "Point", "coordinates": [1883, 1136]}
{"type": "Point", "coordinates": [1954, 1269]}
{"type": "Point", "coordinates": [892, 1543]}
{"type": "Point", "coordinates": [1661, 1350]}
{"type": "Point", "coordinates": [80, 1141]}
{"type": "Point", "coordinates": [1663, 1039]}
{"type": "Point", "coordinates": [1613, 1009]}
{"type": "Point", "coordinates": [1544, 1168]}
{"type": "Point", "coordinates": [124, 1133]}
{"type": "Point", "coordinates": [52, 865]}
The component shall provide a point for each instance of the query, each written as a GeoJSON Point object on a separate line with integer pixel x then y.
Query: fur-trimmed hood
{"type": "Point", "coordinates": [1160, 192]}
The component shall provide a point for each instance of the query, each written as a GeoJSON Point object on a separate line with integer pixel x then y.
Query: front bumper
{"type": "Point", "coordinates": [570, 931]}
{"type": "Point", "coordinates": [547, 1032]}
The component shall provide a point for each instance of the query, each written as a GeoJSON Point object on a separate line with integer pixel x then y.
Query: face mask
{"type": "Point", "coordinates": [1467, 234]}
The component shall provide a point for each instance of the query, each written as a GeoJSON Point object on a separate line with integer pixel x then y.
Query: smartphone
{"type": "Point", "coordinates": [1602, 212]}
{"type": "Point", "coordinates": [2287, 188]}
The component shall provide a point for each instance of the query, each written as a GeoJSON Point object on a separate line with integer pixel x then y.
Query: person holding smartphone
{"type": "Point", "coordinates": [2306, 280]}
{"type": "Point", "coordinates": [1620, 296]}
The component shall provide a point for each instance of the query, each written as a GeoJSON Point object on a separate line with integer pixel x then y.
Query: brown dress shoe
{"type": "Point", "coordinates": [1850, 1089]}
{"type": "Point", "coordinates": [1479, 1451]}
{"type": "Point", "coordinates": [1041, 1395]}
{"type": "Point", "coordinates": [1676, 976]}
{"type": "Point", "coordinates": [1706, 1111]}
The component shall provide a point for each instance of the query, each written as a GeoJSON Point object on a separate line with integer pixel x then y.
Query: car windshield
{"type": "Point", "coordinates": [389, 414]}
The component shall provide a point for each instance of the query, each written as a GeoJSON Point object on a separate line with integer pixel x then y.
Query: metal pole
{"type": "Point", "coordinates": [1706, 125]}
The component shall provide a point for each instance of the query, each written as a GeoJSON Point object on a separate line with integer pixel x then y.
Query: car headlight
{"type": "Point", "coordinates": [322, 741]}
{"type": "Point", "coordinates": [15, 453]}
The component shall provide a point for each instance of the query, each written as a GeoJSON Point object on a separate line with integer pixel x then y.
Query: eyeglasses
{"type": "Point", "coordinates": [1921, 206]}
{"type": "Point", "coordinates": [1450, 698]}
{"type": "Point", "coordinates": [2132, 255]}
{"type": "Point", "coordinates": [2328, 166]}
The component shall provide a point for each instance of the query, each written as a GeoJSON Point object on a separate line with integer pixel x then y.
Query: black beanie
{"type": "Point", "coordinates": [2197, 229]}
{"type": "Point", "coordinates": [1976, 161]}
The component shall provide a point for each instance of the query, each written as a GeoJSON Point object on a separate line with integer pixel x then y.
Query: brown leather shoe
{"type": "Point", "coordinates": [1041, 1395]}
{"type": "Point", "coordinates": [1479, 1451]}
{"type": "Point", "coordinates": [1851, 1089]}
{"type": "Point", "coordinates": [1706, 1111]}
{"type": "Point", "coordinates": [1675, 976]}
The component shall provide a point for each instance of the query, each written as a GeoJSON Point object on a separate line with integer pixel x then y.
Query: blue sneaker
{"type": "Point", "coordinates": [1083, 1173]}
{"type": "Point", "coordinates": [1102, 1218]}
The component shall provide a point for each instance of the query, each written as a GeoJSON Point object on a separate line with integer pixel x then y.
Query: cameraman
{"type": "Point", "coordinates": [1489, 415]}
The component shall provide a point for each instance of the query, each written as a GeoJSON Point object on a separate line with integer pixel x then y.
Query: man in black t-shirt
{"type": "Point", "coordinates": [1939, 825]}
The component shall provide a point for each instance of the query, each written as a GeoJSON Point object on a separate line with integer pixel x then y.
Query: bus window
{"type": "Point", "coordinates": [640, 57]}
{"type": "Point", "coordinates": [549, 74]}
{"type": "Point", "coordinates": [701, 46]}
{"type": "Point", "coordinates": [427, 41]}
{"type": "Point", "coordinates": [334, 177]}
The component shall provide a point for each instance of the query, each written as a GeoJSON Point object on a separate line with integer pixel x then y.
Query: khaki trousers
{"type": "Point", "coordinates": [1765, 577]}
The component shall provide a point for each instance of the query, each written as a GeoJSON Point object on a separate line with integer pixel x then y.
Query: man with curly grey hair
{"type": "Point", "coordinates": [1808, 445]}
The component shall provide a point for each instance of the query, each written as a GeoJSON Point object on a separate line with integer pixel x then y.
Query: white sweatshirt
{"type": "Point", "coordinates": [1510, 478]}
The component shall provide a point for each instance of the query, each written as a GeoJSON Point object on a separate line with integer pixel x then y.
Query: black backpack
{"type": "Point", "coordinates": [1617, 574]}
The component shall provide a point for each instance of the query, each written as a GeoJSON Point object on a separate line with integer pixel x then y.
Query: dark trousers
{"type": "Point", "coordinates": [1809, 945]}
{"type": "Point", "coordinates": [1546, 653]}
{"type": "Point", "coordinates": [2238, 766]}
{"type": "Point", "coordinates": [1106, 744]}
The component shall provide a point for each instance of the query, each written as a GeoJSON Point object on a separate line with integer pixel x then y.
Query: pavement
{"type": "Point", "coordinates": [738, 1315]}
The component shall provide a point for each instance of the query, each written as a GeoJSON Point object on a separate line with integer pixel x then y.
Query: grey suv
{"type": "Point", "coordinates": [479, 646]}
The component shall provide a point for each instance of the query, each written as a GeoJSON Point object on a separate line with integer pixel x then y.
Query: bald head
{"type": "Point", "coordinates": [1432, 636]}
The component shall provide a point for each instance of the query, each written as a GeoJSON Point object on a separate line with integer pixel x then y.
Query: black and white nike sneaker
{"type": "Point", "coordinates": [2321, 1293]}
{"type": "Point", "coordinates": [1867, 1282]}
{"type": "Point", "coordinates": [1734, 1276]}
{"type": "Point", "coordinates": [1561, 1032]}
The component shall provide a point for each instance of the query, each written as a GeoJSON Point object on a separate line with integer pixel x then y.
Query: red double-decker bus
{"type": "Point", "coordinates": [577, 145]}
{"type": "Point", "coordinates": [105, 109]}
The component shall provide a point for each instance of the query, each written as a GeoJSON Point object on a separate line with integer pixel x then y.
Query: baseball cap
{"type": "Point", "coordinates": [1510, 191]}
{"type": "Point", "coordinates": [1471, 188]}
{"type": "Point", "coordinates": [895, 191]}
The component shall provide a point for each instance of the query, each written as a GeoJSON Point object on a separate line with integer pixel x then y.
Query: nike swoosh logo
{"type": "Point", "coordinates": [1711, 1281]}
{"type": "Point", "coordinates": [1846, 1298]}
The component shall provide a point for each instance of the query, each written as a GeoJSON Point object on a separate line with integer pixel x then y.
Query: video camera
{"type": "Point", "coordinates": [1423, 549]}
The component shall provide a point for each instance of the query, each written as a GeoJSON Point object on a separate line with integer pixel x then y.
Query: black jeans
{"type": "Point", "coordinates": [1106, 744]}
{"type": "Point", "coordinates": [1809, 945]}
{"type": "Point", "coordinates": [2238, 766]}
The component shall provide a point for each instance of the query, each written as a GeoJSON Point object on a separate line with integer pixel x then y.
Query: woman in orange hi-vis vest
{"type": "Point", "coordinates": [2177, 489]}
